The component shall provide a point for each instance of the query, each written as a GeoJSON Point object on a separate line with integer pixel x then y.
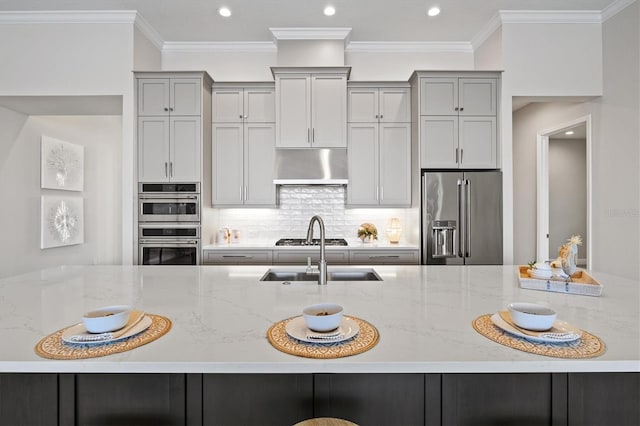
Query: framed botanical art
{"type": "Point", "coordinates": [61, 165]}
{"type": "Point", "coordinates": [62, 221]}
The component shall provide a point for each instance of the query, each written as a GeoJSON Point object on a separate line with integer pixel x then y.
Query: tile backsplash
{"type": "Point", "coordinates": [296, 207]}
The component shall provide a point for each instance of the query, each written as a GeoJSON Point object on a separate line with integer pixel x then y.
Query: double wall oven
{"type": "Point", "coordinates": [169, 223]}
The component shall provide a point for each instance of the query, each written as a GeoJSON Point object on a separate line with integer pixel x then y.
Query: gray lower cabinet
{"type": "Point", "coordinates": [237, 257]}
{"type": "Point", "coordinates": [563, 399]}
{"type": "Point", "coordinates": [384, 257]}
{"type": "Point", "coordinates": [299, 257]}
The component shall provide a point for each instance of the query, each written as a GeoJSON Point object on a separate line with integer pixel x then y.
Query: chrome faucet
{"type": "Point", "coordinates": [322, 264]}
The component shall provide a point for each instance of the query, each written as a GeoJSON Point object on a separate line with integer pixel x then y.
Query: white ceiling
{"type": "Point", "coordinates": [370, 20]}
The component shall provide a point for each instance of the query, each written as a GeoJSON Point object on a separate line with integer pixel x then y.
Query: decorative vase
{"type": "Point", "coordinates": [569, 265]}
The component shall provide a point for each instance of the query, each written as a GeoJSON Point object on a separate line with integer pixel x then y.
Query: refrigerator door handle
{"type": "Point", "coordinates": [460, 224]}
{"type": "Point", "coordinates": [467, 220]}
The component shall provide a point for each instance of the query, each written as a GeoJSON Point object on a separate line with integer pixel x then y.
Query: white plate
{"type": "Point", "coordinates": [79, 329]}
{"type": "Point", "coordinates": [297, 329]}
{"type": "Point", "coordinates": [560, 325]}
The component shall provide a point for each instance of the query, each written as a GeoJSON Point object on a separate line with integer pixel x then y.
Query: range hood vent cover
{"type": "Point", "coordinates": [311, 166]}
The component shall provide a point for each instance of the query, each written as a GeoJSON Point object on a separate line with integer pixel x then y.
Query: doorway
{"type": "Point", "coordinates": [564, 188]}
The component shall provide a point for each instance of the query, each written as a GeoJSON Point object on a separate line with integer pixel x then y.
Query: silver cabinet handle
{"type": "Point", "coordinates": [381, 116]}
{"type": "Point", "coordinates": [245, 193]}
{"type": "Point", "coordinates": [461, 108]}
{"type": "Point", "coordinates": [166, 173]}
{"type": "Point", "coordinates": [376, 116]}
{"type": "Point", "coordinates": [467, 221]}
{"type": "Point", "coordinates": [241, 199]}
{"type": "Point", "coordinates": [456, 155]}
{"type": "Point", "coordinates": [308, 135]}
{"type": "Point", "coordinates": [459, 203]}
{"type": "Point", "coordinates": [246, 116]}
{"type": "Point", "coordinates": [240, 115]}
{"type": "Point", "coordinates": [381, 193]}
{"type": "Point", "coordinates": [386, 256]}
{"type": "Point", "coordinates": [170, 108]}
{"type": "Point", "coordinates": [461, 152]}
{"type": "Point", "coordinates": [170, 168]}
{"type": "Point", "coordinates": [456, 109]}
{"type": "Point", "coordinates": [313, 134]}
{"type": "Point", "coordinates": [166, 109]}
{"type": "Point", "coordinates": [377, 193]}
{"type": "Point", "coordinates": [236, 256]}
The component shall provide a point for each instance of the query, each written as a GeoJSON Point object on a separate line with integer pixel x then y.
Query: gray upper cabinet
{"type": "Point", "coordinates": [170, 125]}
{"type": "Point", "coordinates": [458, 96]}
{"type": "Point", "coordinates": [243, 146]}
{"type": "Point", "coordinates": [458, 120]}
{"type": "Point", "coordinates": [237, 105]}
{"type": "Point", "coordinates": [387, 105]}
{"type": "Point", "coordinates": [311, 107]}
{"type": "Point", "coordinates": [379, 151]}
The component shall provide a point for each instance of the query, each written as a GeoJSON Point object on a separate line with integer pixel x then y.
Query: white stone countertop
{"type": "Point", "coordinates": [220, 316]}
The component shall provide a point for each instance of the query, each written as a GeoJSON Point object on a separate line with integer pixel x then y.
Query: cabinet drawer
{"type": "Point", "coordinates": [297, 257]}
{"type": "Point", "coordinates": [236, 257]}
{"type": "Point", "coordinates": [386, 257]}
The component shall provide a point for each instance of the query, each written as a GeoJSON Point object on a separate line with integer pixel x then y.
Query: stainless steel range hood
{"type": "Point", "coordinates": [311, 166]}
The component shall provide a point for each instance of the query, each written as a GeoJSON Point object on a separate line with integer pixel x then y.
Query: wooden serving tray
{"type": "Point", "coordinates": [581, 283]}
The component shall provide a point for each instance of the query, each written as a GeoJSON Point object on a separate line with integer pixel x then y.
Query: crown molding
{"type": "Point", "coordinates": [614, 8]}
{"type": "Point", "coordinates": [310, 33]}
{"type": "Point", "coordinates": [408, 47]}
{"type": "Point", "coordinates": [550, 16]}
{"type": "Point", "coordinates": [145, 28]}
{"type": "Point", "coordinates": [68, 17]}
{"type": "Point", "coordinates": [490, 27]}
{"type": "Point", "coordinates": [220, 47]}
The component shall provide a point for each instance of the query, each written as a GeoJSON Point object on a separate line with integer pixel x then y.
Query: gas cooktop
{"type": "Point", "coordinates": [314, 242]}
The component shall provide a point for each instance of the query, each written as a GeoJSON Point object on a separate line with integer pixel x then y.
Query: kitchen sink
{"type": "Point", "coordinates": [297, 275]}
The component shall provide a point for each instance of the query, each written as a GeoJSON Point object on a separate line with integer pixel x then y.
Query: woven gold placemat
{"type": "Point", "coordinates": [366, 338]}
{"type": "Point", "coordinates": [588, 346]}
{"type": "Point", "coordinates": [53, 347]}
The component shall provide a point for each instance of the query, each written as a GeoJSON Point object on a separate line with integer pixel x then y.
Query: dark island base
{"type": "Point", "coordinates": [283, 399]}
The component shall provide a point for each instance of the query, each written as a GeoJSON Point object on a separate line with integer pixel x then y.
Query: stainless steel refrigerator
{"type": "Point", "coordinates": [462, 218]}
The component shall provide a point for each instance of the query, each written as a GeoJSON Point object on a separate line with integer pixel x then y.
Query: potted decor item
{"type": "Point", "coordinates": [367, 232]}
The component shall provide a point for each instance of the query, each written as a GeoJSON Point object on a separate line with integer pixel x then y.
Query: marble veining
{"type": "Point", "coordinates": [220, 316]}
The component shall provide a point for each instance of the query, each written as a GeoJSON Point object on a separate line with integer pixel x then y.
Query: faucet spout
{"type": "Point", "coordinates": [322, 264]}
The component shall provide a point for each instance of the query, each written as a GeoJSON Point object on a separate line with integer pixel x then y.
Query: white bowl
{"type": "Point", "coordinates": [532, 316]}
{"type": "Point", "coordinates": [323, 316]}
{"type": "Point", "coordinates": [542, 266]}
{"type": "Point", "coordinates": [109, 318]}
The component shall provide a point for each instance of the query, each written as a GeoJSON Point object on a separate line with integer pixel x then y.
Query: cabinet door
{"type": "Point", "coordinates": [362, 154]}
{"type": "Point", "coordinates": [478, 142]}
{"type": "Point", "coordinates": [29, 399]}
{"type": "Point", "coordinates": [362, 105]}
{"type": "Point", "coordinates": [395, 164]}
{"type": "Point", "coordinates": [237, 257]}
{"type": "Point", "coordinates": [227, 161]}
{"type": "Point", "coordinates": [329, 111]}
{"type": "Point", "coordinates": [227, 106]}
{"type": "Point", "coordinates": [259, 105]}
{"type": "Point", "coordinates": [185, 96]}
{"type": "Point", "coordinates": [293, 116]}
{"type": "Point", "coordinates": [496, 399]}
{"type": "Point", "coordinates": [478, 96]}
{"type": "Point", "coordinates": [153, 96]}
{"type": "Point", "coordinates": [259, 158]}
{"type": "Point", "coordinates": [395, 105]}
{"type": "Point", "coordinates": [438, 96]}
{"type": "Point", "coordinates": [153, 149]}
{"type": "Point", "coordinates": [384, 257]}
{"type": "Point", "coordinates": [185, 149]}
{"type": "Point", "coordinates": [438, 142]}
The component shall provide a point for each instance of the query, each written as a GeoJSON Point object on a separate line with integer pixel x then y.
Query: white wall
{"type": "Point", "coordinates": [146, 56]}
{"type": "Point", "coordinates": [310, 53]}
{"type": "Point", "coordinates": [20, 188]}
{"type": "Point", "coordinates": [65, 59]}
{"type": "Point", "coordinates": [567, 193]}
{"type": "Point", "coordinates": [615, 153]}
{"type": "Point", "coordinates": [223, 66]}
{"type": "Point", "coordinates": [488, 56]}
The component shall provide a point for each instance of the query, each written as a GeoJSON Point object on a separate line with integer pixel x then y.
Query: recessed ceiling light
{"type": "Point", "coordinates": [224, 11]}
{"type": "Point", "coordinates": [329, 10]}
{"type": "Point", "coordinates": [570, 132]}
{"type": "Point", "coordinates": [434, 11]}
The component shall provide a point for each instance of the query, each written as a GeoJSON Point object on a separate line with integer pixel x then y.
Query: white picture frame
{"type": "Point", "coordinates": [61, 165]}
{"type": "Point", "coordinates": [62, 221]}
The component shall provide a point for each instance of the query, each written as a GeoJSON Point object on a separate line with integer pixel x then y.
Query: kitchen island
{"type": "Point", "coordinates": [429, 367]}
